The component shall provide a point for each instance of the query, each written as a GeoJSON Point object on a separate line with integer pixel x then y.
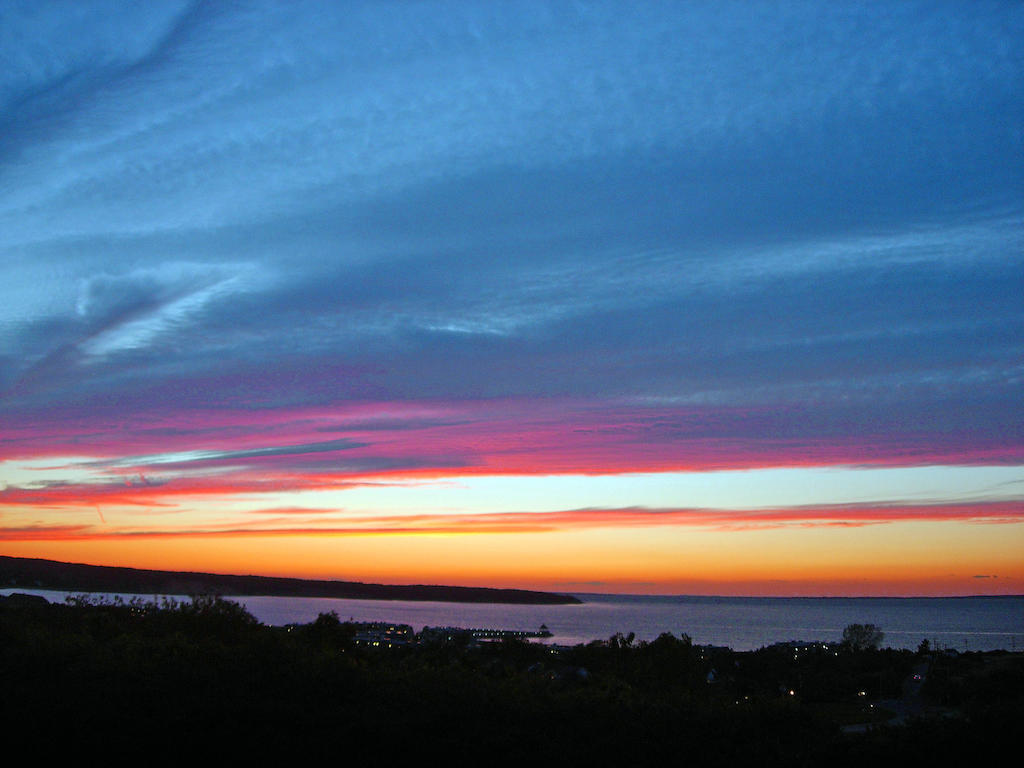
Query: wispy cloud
{"type": "Point", "coordinates": [165, 458]}
{"type": "Point", "coordinates": [826, 516]}
{"type": "Point", "coordinates": [271, 250]}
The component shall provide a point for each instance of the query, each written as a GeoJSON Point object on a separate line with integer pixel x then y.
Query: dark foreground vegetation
{"type": "Point", "coordinates": [32, 573]}
{"type": "Point", "coordinates": [203, 680]}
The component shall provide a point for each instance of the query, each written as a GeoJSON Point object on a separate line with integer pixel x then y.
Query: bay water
{"type": "Point", "coordinates": [741, 623]}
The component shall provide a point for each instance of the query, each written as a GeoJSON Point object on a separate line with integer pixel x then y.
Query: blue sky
{"type": "Point", "coordinates": [606, 238]}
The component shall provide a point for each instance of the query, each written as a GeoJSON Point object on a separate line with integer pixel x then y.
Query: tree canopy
{"type": "Point", "coordinates": [862, 637]}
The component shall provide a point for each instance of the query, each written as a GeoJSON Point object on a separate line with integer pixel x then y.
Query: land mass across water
{"type": "Point", "coordinates": [32, 573]}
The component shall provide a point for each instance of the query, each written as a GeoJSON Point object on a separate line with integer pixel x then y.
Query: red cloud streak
{"type": "Point", "coordinates": [574, 519]}
{"type": "Point", "coordinates": [155, 459]}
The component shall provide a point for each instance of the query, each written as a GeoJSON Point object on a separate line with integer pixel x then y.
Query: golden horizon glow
{"type": "Point", "coordinates": [810, 561]}
{"type": "Point", "coordinates": [839, 529]}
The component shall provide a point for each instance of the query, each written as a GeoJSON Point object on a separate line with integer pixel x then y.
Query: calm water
{"type": "Point", "coordinates": [742, 623]}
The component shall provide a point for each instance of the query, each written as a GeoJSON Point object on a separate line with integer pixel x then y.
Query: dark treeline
{"type": "Point", "coordinates": [204, 680]}
{"type": "Point", "coordinates": [32, 573]}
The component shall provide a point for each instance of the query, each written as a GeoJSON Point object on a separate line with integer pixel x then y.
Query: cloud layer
{"type": "Point", "coordinates": [255, 247]}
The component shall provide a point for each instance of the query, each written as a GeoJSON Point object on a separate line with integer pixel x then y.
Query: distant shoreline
{"type": "Point", "coordinates": [662, 598]}
{"type": "Point", "coordinates": [39, 573]}
{"type": "Point", "coordinates": [33, 573]}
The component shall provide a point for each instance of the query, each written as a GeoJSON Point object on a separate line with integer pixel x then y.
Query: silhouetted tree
{"type": "Point", "coordinates": [862, 637]}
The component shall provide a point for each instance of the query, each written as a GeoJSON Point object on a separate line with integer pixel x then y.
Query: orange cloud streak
{"type": "Point", "coordinates": [842, 515]}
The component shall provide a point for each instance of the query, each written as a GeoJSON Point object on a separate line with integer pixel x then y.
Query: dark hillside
{"type": "Point", "coordinates": [176, 682]}
{"type": "Point", "coordinates": [75, 577]}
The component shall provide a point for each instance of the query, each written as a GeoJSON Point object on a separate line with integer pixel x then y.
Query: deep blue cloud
{"type": "Point", "coordinates": [701, 203]}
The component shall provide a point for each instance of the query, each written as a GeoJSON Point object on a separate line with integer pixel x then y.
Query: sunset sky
{"type": "Point", "coordinates": [699, 298]}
